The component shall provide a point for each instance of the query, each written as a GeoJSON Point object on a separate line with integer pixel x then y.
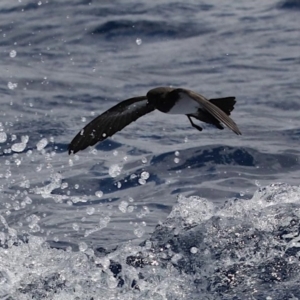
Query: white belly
{"type": "Point", "coordinates": [185, 105]}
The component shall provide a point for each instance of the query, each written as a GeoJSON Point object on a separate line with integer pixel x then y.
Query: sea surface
{"type": "Point", "coordinates": [160, 210]}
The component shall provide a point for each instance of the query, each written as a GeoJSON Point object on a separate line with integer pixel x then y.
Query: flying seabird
{"type": "Point", "coordinates": [165, 99]}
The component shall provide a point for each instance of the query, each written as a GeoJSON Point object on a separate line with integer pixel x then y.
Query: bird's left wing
{"type": "Point", "coordinates": [110, 122]}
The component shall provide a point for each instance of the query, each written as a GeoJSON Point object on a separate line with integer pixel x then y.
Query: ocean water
{"type": "Point", "coordinates": [160, 210]}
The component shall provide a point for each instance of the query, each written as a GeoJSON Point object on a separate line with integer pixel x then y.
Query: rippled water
{"type": "Point", "coordinates": [64, 62]}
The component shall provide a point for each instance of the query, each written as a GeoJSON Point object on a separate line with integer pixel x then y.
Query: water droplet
{"type": "Point", "coordinates": [132, 176]}
{"type": "Point", "coordinates": [75, 226]}
{"type": "Point", "coordinates": [114, 170]}
{"type": "Point", "coordinates": [111, 282]}
{"type": "Point", "coordinates": [17, 162]}
{"type": "Point", "coordinates": [130, 208]}
{"type": "Point", "coordinates": [42, 144]}
{"type": "Point", "coordinates": [99, 194]}
{"type": "Point", "coordinates": [13, 53]}
{"type": "Point", "coordinates": [82, 246]}
{"type": "Point", "coordinates": [148, 245]}
{"type": "Point", "coordinates": [12, 85]}
{"type": "Point", "coordinates": [24, 139]}
{"type": "Point", "coordinates": [39, 168]}
{"type": "Point", "coordinates": [20, 147]}
{"type": "Point", "coordinates": [3, 137]}
{"type": "Point", "coordinates": [130, 199]}
{"type": "Point", "coordinates": [123, 206]}
{"type": "Point", "coordinates": [194, 250]}
{"type": "Point", "coordinates": [139, 231]}
{"type": "Point", "coordinates": [176, 160]}
{"type": "Point", "coordinates": [104, 221]}
{"type": "Point", "coordinates": [138, 41]}
{"type": "Point", "coordinates": [145, 175]}
{"type": "Point", "coordinates": [257, 183]}
{"type": "Point", "coordinates": [145, 211]}
{"type": "Point", "coordinates": [27, 200]}
{"type": "Point", "coordinates": [90, 211]}
{"type": "Point", "coordinates": [142, 181]}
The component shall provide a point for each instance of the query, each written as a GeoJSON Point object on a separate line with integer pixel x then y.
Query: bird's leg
{"type": "Point", "coordinates": [193, 124]}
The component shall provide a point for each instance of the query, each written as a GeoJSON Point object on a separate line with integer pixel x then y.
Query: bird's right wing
{"type": "Point", "coordinates": [110, 122]}
{"type": "Point", "coordinates": [214, 110]}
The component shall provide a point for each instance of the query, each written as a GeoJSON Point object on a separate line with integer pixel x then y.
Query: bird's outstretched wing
{"type": "Point", "coordinates": [211, 108]}
{"type": "Point", "coordinates": [110, 122]}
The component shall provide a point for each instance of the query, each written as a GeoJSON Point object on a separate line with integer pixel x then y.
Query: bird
{"type": "Point", "coordinates": [165, 99]}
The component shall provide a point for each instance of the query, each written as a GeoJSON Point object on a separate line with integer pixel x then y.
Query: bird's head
{"type": "Point", "coordinates": [158, 95]}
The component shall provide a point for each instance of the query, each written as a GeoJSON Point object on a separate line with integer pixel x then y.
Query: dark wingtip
{"type": "Point", "coordinates": [237, 131]}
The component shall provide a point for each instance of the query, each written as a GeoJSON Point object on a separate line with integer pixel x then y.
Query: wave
{"type": "Point", "coordinates": [149, 29]}
{"type": "Point", "coordinates": [218, 252]}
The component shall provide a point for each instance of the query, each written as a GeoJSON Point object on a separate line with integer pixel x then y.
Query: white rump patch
{"type": "Point", "coordinates": [185, 105]}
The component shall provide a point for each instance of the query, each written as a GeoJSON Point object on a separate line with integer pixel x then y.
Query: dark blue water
{"type": "Point", "coordinates": [63, 63]}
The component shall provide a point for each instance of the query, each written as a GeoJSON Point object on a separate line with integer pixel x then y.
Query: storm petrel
{"type": "Point", "coordinates": [165, 99]}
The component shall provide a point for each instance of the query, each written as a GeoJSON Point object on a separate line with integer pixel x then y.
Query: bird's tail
{"type": "Point", "coordinates": [226, 104]}
{"type": "Point", "coordinates": [218, 111]}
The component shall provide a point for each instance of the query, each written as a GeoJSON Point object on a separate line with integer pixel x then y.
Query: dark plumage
{"type": "Point", "coordinates": [164, 99]}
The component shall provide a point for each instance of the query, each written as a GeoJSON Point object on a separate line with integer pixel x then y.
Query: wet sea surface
{"type": "Point", "coordinates": [160, 210]}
